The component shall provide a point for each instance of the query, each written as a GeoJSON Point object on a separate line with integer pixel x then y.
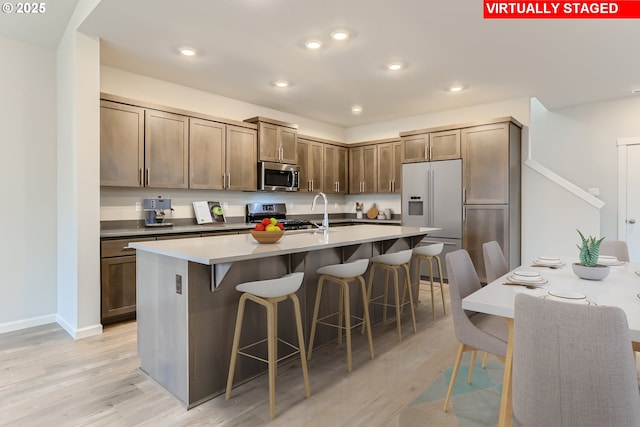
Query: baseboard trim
{"type": "Point", "coordinates": [27, 323]}
{"type": "Point", "coordinates": [81, 333]}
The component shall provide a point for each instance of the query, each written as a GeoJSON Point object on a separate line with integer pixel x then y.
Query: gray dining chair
{"type": "Point", "coordinates": [495, 264]}
{"type": "Point", "coordinates": [474, 331]}
{"type": "Point", "coordinates": [616, 248]}
{"type": "Point", "coordinates": [572, 365]}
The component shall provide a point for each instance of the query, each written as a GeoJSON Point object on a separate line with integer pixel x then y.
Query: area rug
{"type": "Point", "coordinates": [471, 405]}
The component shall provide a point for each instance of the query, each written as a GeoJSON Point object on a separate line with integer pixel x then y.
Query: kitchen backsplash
{"type": "Point", "coordinates": [120, 203]}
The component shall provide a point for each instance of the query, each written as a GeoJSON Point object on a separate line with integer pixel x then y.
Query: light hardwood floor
{"type": "Point", "coordinates": [48, 379]}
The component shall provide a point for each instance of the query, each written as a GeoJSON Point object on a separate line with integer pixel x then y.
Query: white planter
{"type": "Point", "coordinates": [598, 272]}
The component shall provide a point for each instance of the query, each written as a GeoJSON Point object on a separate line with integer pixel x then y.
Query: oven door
{"type": "Point", "coordinates": [278, 176]}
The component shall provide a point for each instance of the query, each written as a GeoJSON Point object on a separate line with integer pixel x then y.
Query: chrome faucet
{"type": "Point", "coordinates": [325, 220]}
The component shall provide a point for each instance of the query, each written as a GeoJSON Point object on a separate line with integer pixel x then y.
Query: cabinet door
{"type": "Point", "coordinates": [356, 169]}
{"type": "Point", "coordinates": [370, 164]}
{"type": "Point", "coordinates": [342, 169]}
{"type": "Point", "coordinates": [316, 166]}
{"type": "Point", "coordinates": [397, 167]}
{"type": "Point", "coordinates": [483, 224]}
{"type": "Point", "coordinates": [303, 158]}
{"type": "Point", "coordinates": [336, 168]}
{"type": "Point", "coordinates": [121, 145]}
{"type": "Point", "coordinates": [206, 154]}
{"type": "Point", "coordinates": [288, 141]}
{"type": "Point", "coordinates": [444, 145]}
{"type": "Point", "coordinates": [242, 161]}
{"type": "Point", "coordinates": [166, 150]}
{"type": "Point", "coordinates": [485, 154]}
{"type": "Point", "coordinates": [386, 172]}
{"type": "Point", "coordinates": [414, 148]}
{"type": "Point", "coordinates": [118, 287]}
{"type": "Point", "coordinates": [269, 146]}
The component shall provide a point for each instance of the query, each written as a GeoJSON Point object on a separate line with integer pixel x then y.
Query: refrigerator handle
{"type": "Point", "coordinates": [464, 194]}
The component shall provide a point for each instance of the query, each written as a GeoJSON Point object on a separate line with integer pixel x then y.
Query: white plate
{"type": "Point", "coordinates": [541, 261]}
{"type": "Point", "coordinates": [532, 280]}
{"type": "Point", "coordinates": [610, 261]}
{"type": "Point", "coordinates": [549, 259]}
{"type": "Point", "coordinates": [637, 273]}
{"type": "Point", "coordinates": [523, 273]}
{"type": "Point", "coordinates": [567, 294]}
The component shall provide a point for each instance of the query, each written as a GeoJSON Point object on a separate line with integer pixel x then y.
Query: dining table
{"type": "Point", "coordinates": [621, 288]}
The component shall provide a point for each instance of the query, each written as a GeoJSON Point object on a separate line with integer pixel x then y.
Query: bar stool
{"type": "Point", "coordinates": [391, 263]}
{"type": "Point", "coordinates": [268, 293]}
{"type": "Point", "coordinates": [343, 274]}
{"type": "Point", "coordinates": [430, 253]}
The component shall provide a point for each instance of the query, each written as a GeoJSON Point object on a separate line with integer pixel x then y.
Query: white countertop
{"type": "Point", "coordinates": [230, 248]}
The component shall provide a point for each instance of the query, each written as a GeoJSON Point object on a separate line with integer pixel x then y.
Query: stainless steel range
{"type": "Point", "coordinates": [255, 212]}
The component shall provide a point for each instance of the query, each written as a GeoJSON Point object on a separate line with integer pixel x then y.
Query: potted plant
{"type": "Point", "coordinates": [588, 267]}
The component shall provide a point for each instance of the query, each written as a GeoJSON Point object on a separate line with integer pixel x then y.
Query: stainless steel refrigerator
{"type": "Point", "coordinates": [432, 197]}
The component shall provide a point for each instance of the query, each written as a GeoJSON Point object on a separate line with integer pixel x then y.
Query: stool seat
{"type": "Point", "coordinates": [429, 250]}
{"type": "Point", "coordinates": [396, 258]}
{"type": "Point", "coordinates": [273, 288]}
{"type": "Point", "coordinates": [344, 271]}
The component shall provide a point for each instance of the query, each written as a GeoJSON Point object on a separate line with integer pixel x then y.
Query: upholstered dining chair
{"type": "Point", "coordinates": [616, 248]}
{"type": "Point", "coordinates": [474, 331]}
{"type": "Point", "coordinates": [572, 365]}
{"type": "Point", "coordinates": [495, 264]}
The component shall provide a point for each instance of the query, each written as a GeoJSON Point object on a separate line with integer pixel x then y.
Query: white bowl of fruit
{"type": "Point", "coordinates": [268, 231]}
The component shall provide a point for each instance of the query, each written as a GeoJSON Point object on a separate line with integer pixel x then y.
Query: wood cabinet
{"type": "Point", "coordinates": [121, 145]}
{"type": "Point", "coordinates": [336, 169]}
{"type": "Point", "coordinates": [491, 176]}
{"type": "Point", "coordinates": [216, 150]}
{"type": "Point", "coordinates": [311, 160]}
{"type": "Point", "coordinates": [166, 150]}
{"type": "Point", "coordinates": [425, 145]}
{"type": "Point", "coordinates": [363, 165]}
{"type": "Point", "coordinates": [277, 141]}
{"type": "Point", "coordinates": [118, 280]}
{"type": "Point", "coordinates": [241, 160]}
{"type": "Point", "coordinates": [390, 167]}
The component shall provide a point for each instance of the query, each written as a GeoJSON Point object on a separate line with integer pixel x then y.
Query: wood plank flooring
{"type": "Point", "coordinates": [48, 379]}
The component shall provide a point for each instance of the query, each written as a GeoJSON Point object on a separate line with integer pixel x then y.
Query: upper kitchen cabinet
{"type": "Point", "coordinates": [390, 167]}
{"type": "Point", "coordinates": [336, 169]}
{"type": "Point", "coordinates": [430, 145]}
{"type": "Point", "coordinates": [363, 169]}
{"type": "Point", "coordinates": [121, 145]}
{"type": "Point", "coordinates": [491, 154]}
{"type": "Point", "coordinates": [241, 159]}
{"type": "Point", "coordinates": [166, 150]}
{"type": "Point", "coordinates": [207, 153]}
{"type": "Point", "coordinates": [277, 141]}
{"type": "Point", "coordinates": [310, 157]}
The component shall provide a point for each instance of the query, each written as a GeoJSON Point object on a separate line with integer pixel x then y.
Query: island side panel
{"type": "Point", "coordinates": [162, 321]}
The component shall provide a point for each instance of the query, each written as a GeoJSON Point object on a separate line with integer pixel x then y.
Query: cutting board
{"type": "Point", "coordinates": [373, 212]}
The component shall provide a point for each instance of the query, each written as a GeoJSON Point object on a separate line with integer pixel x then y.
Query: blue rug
{"type": "Point", "coordinates": [471, 405]}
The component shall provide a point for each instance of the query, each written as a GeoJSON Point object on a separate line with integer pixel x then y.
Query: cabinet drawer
{"type": "Point", "coordinates": [113, 248]}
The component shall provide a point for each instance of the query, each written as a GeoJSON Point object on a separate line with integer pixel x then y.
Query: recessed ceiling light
{"type": "Point", "coordinates": [188, 51]}
{"type": "Point", "coordinates": [395, 66]}
{"type": "Point", "coordinates": [455, 88]}
{"type": "Point", "coordinates": [282, 83]}
{"type": "Point", "coordinates": [313, 44]}
{"type": "Point", "coordinates": [340, 35]}
{"type": "Point", "coordinates": [356, 109]}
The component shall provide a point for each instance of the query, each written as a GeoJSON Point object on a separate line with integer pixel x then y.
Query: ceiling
{"type": "Point", "coordinates": [246, 45]}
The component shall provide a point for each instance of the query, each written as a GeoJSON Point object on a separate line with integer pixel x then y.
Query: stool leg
{"type": "Point", "coordinates": [272, 344]}
{"type": "Point", "coordinates": [367, 319]}
{"type": "Point", "coordinates": [303, 362]}
{"type": "Point", "coordinates": [397, 296]}
{"type": "Point", "coordinates": [419, 270]}
{"type": "Point", "coordinates": [236, 344]}
{"type": "Point", "coordinates": [340, 314]}
{"type": "Point", "coordinates": [347, 321]}
{"type": "Point", "coordinates": [314, 322]}
{"type": "Point", "coordinates": [413, 313]}
{"type": "Point", "coordinates": [373, 266]}
{"type": "Point", "coordinates": [386, 293]}
{"type": "Point", "coordinates": [433, 300]}
{"type": "Point", "coordinates": [444, 308]}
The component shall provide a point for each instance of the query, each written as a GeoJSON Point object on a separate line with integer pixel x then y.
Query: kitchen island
{"type": "Point", "coordinates": [187, 302]}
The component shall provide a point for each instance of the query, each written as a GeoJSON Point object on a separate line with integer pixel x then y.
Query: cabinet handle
{"type": "Point", "coordinates": [464, 194]}
{"type": "Point", "coordinates": [127, 248]}
{"type": "Point", "coordinates": [140, 177]}
{"type": "Point", "coordinates": [148, 175]}
{"type": "Point", "coordinates": [430, 152]}
{"type": "Point", "coordinates": [224, 180]}
{"type": "Point", "coordinates": [390, 187]}
{"type": "Point", "coordinates": [312, 185]}
{"type": "Point", "coordinates": [229, 180]}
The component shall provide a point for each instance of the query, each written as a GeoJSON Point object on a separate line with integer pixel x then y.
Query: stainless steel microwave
{"type": "Point", "coordinates": [278, 177]}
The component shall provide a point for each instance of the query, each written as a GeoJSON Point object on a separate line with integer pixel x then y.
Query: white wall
{"type": "Point", "coordinates": [28, 176]}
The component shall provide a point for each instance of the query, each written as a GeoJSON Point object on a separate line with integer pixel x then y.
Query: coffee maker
{"type": "Point", "coordinates": [154, 211]}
